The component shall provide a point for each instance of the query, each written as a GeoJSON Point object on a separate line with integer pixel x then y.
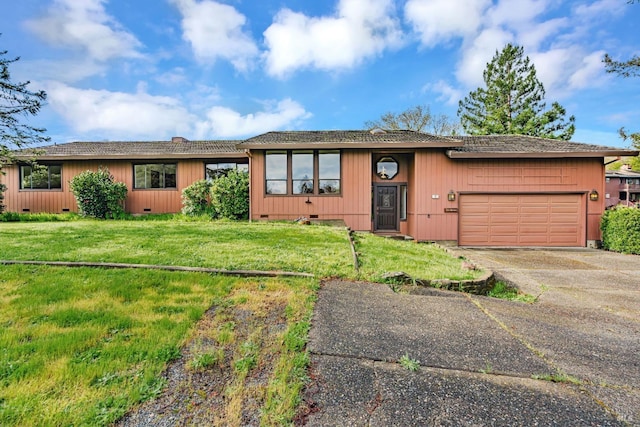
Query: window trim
{"type": "Point", "coordinates": [165, 188]}
{"type": "Point", "coordinates": [289, 173]}
{"type": "Point", "coordinates": [48, 166]}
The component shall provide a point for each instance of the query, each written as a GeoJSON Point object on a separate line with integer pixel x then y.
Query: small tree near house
{"type": "Point", "coordinates": [98, 194]}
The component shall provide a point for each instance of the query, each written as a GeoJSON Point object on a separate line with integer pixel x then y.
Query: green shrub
{"type": "Point", "coordinates": [36, 217]}
{"type": "Point", "coordinates": [98, 194]}
{"type": "Point", "coordinates": [196, 199]}
{"type": "Point", "coordinates": [3, 188]}
{"type": "Point", "coordinates": [621, 230]}
{"type": "Point", "coordinates": [230, 195]}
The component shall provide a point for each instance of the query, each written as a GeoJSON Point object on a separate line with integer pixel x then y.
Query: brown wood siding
{"type": "Point", "coordinates": [522, 220]}
{"type": "Point", "coordinates": [54, 201]}
{"type": "Point", "coordinates": [353, 205]}
{"type": "Point", "coordinates": [436, 175]}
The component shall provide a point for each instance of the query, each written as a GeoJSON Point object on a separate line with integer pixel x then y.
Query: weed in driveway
{"type": "Point", "coordinates": [559, 377]}
{"type": "Point", "coordinates": [504, 291]}
{"type": "Point", "coordinates": [408, 363]}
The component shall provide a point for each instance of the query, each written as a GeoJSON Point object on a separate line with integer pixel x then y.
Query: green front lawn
{"type": "Point", "coordinates": [82, 346]}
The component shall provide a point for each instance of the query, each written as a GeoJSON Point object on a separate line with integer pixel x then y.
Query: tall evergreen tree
{"type": "Point", "coordinates": [513, 101]}
{"type": "Point", "coordinates": [16, 102]}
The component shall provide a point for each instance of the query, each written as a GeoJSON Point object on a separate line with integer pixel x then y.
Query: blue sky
{"type": "Point", "coordinates": [229, 69]}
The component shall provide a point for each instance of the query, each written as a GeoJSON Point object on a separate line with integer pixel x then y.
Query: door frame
{"type": "Point", "coordinates": [374, 204]}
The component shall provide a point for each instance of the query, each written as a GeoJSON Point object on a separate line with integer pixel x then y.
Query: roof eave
{"type": "Point", "coordinates": [536, 155]}
{"type": "Point", "coordinates": [343, 145]}
{"type": "Point", "coordinates": [168, 156]}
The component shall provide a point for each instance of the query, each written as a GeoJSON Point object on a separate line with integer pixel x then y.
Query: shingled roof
{"type": "Point", "coordinates": [137, 150]}
{"type": "Point", "coordinates": [459, 147]}
{"type": "Point", "coordinates": [376, 138]}
{"type": "Point", "coordinates": [520, 146]}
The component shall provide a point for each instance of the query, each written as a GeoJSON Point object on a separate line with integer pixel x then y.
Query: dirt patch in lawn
{"type": "Point", "coordinates": [222, 375]}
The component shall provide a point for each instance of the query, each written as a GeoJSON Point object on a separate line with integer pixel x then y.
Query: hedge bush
{"type": "Point", "coordinates": [98, 194]}
{"type": "Point", "coordinates": [3, 188]}
{"type": "Point", "coordinates": [621, 230]}
{"type": "Point", "coordinates": [226, 197]}
{"type": "Point", "coordinates": [196, 199]}
{"type": "Point", "coordinates": [230, 195]}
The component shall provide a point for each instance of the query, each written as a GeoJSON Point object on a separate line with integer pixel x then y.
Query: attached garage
{"type": "Point", "coordinates": [522, 220]}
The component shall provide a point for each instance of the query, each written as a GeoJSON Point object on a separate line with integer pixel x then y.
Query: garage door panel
{"type": "Point", "coordinates": [503, 230]}
{"type": "Point", "coordinates": [522, 220]}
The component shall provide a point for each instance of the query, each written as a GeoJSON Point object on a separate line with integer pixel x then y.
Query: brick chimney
{"type": "Point", "coordinates": [178, 139]}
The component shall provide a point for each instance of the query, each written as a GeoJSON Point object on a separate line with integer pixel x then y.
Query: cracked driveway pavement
{"type": "Point", "coordinates": [484, 361]}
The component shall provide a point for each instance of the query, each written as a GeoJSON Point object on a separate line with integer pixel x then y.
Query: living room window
{"type": "Point", "coordinates": [216, 170]}
{"type": "Point", "coordinates": [155, 175]}
{"type": "Point", "coordinates": [40, 177]}
{"type": "Point", "coordinates": [302, 172]}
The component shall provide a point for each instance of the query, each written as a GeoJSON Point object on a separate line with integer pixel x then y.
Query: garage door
{"type": "Point", "coordinates": [522, 220]}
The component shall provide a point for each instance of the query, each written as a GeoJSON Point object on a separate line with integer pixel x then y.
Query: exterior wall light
{"type": "Point", "coordinates": [594, 196]}
{"type": "Point", "coordinates": [451, 196]}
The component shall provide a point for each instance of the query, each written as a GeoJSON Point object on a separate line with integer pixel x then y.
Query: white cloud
{"type": "Point", "coordinates": [67, 71]}
{"type": "Point", "coordinates": [448, 94]}
{"type": "Point", "coordinates": [360, 29]}
{"type": "Point", "coordinates": [227, 123]}
{"type": "Point", "coordinates": [441, 20]}
{"type": "Point", "coordinates": [600, 8]}
{"type": "Point", "coordinates": [85, 25]}
{"type": "Point", "coordinates": [565, 70]}
{"type": "Point", "coordinates": [118, 114]}
{"type": "Point", "coordinates": [215, 31]}
{"type": "Point", "coordinates": [532, 35]}
{"type": "Point", "coordinates": [588, 72]}
{"type": "Point", "coordinates": [478, 52]}
{"type": "Point", "coordinates": [505, 12]}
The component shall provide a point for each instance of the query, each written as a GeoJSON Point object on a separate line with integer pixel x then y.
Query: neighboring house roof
{"type": "Point", "coordinates": [329, 139]}
{"type": "Point", "coordinates": [521, 146]}
{"type": "Point", "coordinates": [622, 173]}
{"type": "Point", "coordinates": [136, 150]}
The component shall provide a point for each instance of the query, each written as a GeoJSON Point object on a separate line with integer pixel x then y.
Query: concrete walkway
{"type": "Point", "coordinates": [572, 358]}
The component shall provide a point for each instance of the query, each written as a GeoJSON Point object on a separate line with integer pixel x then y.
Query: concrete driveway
{"type": "Point", "coordinates": [572, 358]}
{"type": "Point", "coordinates": [577, 278]}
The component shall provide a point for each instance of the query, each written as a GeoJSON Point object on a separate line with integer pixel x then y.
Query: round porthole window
{"type": "Point", "coordinates": [387, 168]}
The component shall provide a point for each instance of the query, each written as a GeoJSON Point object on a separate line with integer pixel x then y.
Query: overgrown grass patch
{"type": "Point", "coordinates": [379, 255]}
{"type": "Point", "coordinates": [82, 346]}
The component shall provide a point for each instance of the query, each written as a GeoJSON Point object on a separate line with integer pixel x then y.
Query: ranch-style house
{"type": "Point", "coordinates": [498, 190]}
